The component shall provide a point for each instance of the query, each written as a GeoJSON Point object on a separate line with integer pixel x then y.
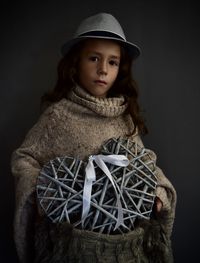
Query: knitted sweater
{"type": "Point", "coordinates": [78, 127]}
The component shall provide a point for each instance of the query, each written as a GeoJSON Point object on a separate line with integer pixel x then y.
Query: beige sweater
{"type": "Point", "coordinates": [77, 127]}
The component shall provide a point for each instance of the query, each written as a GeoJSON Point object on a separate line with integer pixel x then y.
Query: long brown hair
{"type": "Point", "coordinates": [124, 84]}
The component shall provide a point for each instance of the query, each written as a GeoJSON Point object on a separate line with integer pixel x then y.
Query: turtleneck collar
{"type": "Point", "coordinates": [107, 107]}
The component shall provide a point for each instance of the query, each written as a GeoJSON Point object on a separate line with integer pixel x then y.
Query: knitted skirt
{"type": "Point", "coordinates": [62, 244]}
{"type": "Point", "coordinates": [90, 247]}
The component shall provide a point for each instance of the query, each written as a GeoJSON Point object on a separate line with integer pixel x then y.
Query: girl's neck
{"type": "Point", "coordinates": [108, 107]}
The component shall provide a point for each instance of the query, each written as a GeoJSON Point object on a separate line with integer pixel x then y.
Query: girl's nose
{"type": "Point", "coordinates": [102, 68]}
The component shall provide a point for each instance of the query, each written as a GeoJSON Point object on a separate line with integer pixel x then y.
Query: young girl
{"type": "Point", "coordinates": [94, 100]}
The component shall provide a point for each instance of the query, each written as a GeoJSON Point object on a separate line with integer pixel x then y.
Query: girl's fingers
{"type": "Point", "coordinates": [158, 204]}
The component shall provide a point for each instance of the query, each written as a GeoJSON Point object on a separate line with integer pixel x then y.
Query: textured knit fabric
{"type": "Point", "coordinates": [78, 127]}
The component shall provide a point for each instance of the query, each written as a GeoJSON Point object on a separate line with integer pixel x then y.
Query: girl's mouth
{"type": "Point", "coordinates": [101, 82]}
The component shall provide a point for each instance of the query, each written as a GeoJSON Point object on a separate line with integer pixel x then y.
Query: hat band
{"type": "Point", "coordinates": [101, 34]}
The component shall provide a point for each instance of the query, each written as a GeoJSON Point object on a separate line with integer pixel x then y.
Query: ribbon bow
{"type": "Point", "coordinates": [90, 177]}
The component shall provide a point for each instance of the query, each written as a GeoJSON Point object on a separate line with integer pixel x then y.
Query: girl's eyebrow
{"type": "Point", "coordinates": [115, 57]}
{"type": "Point", "coordinates": [100, 54]}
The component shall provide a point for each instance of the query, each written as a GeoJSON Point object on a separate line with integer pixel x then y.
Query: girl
{"type": "Point", "coordinates": [95, 99]}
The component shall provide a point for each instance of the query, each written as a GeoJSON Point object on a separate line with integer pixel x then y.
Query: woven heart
{"type": "Point", "coordinates": [61, 182]}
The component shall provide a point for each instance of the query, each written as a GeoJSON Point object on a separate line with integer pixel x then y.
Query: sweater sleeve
{"type": "Point", "coordinates": [166, 192]}
{"type": "Point", "coordinates": [26, 162]}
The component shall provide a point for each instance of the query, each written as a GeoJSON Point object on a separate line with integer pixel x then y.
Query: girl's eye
{"type": "Point", "coordinates": [114, 63]}
{"type": "Point", "coordinates": [93, 58]}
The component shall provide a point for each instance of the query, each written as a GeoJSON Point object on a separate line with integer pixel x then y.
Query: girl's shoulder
{"type": "Point", "coordinates": [58, 109]}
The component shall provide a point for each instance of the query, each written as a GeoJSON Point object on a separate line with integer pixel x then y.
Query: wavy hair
{"type": "Point", "coordinates": [124, 84]}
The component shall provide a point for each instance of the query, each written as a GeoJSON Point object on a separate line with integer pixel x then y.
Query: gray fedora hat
{"type": "Point", "coordinates": [102, 26]}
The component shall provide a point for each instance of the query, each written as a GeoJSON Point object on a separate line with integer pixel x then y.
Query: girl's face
{"type": "Point", "coordinates": [99, 66]}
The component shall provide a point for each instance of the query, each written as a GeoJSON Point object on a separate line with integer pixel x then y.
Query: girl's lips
{"type": "Point", "coordinates": [100, 82]}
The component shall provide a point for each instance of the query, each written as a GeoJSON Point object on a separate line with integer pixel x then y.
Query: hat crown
{"type": "Point", "coordinates": [100, 22]}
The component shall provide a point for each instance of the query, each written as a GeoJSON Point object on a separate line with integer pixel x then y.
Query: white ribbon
{"type": "Point", "coordinates": [90, 177]}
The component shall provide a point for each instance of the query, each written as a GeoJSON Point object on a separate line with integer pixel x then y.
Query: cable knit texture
{"type": "Point", "coordinates": [108, 107]}
{"type": "Point", "coordinates": [78, 127]}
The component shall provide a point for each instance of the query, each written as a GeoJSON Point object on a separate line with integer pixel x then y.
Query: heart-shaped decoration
{"type": "Point", "coordinates": [61, 182]}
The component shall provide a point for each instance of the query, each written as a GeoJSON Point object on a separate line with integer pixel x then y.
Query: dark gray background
{"type": "Point", "coordinates": [167, 72]}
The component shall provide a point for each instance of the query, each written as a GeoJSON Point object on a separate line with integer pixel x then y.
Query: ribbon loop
{"type": "Point", "coordinates": [90, 177]}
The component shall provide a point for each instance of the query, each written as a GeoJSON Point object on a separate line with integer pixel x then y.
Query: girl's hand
{"type": "Point", "coordinates": [158, 204]}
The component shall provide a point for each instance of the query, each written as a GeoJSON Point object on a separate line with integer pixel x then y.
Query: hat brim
{"type": "Point", "coordinates": [133, 50]}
